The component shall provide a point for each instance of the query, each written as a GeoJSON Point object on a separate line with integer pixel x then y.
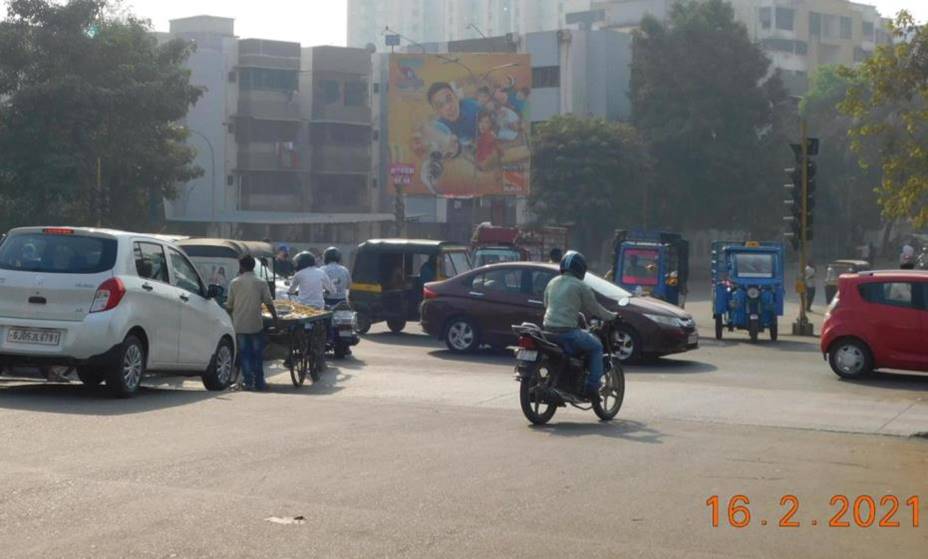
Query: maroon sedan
{"type": "Point", "coordinates": [479, 308]}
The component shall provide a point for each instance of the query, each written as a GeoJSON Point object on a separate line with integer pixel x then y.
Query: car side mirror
{"type": "Point", "coordinates": [215, 291]}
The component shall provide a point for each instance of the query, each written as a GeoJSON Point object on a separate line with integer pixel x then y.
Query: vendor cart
{"type": "Point", "coordinates": [304, 339]}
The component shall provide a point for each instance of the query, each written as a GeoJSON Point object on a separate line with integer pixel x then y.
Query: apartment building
{"type": "Point", "coordinates": [429, 21]}
{"type": "Point", "coordinates": [284, 136]}
{"type": "Point", "coordinates": [797, 35]}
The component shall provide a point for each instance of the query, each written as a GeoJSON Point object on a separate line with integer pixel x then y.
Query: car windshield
{"type": "Point", "coordinates": [57, 253]}
{"type": "Point", "coordinates": [604, 287]}
{"type": "Point", "coordinates": [754, 265]}
{"type": "Point", "coordinates": [640, 266]}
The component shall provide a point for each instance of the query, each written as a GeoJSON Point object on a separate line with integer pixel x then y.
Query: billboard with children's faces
{"type": "Point", "coordinates": [459, 123]}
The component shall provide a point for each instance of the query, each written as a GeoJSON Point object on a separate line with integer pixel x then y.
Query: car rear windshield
{"type": "Point", "coordinates": [57, 254]}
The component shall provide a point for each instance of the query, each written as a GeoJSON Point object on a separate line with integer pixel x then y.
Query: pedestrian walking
{"type": "Point", "coordinates": [907, 256]}
{"type": "Point", "coordinates": [247, 294]}
{"type": "Point", "coordinates": [809, 278]}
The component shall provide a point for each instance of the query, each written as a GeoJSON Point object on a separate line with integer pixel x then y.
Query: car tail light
{"type": "Point", "coordinates": [58, 231]}
{"type": "Point", "coordinates": [428, 293]}
{"type": "Point", "coordinates": [108, 295]}
{"type": "Point", "coordinates": [525, 342]}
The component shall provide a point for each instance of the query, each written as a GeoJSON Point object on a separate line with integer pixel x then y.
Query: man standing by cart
{"type": "Point", "coordinates": [247, 293]}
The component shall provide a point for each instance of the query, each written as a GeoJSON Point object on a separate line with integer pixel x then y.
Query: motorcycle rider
{"type": "Point", "coordinates": [566, 296]}
{"type": "Point", "coordinates": [311, 282]}
{"type": "Point", "coordinates": [340, 276]}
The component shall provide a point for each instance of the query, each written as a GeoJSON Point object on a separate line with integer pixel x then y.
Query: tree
{"type": "Point", "coordinates": [589, 172]}
{"type": "Point", "coordinates": [703, 98]}
{"type": "Point", "coordinates": [888, 101]}
{"type": "Point", "coordinates": [846, 202]}
{"type": "Point", "coordinates": [79, 86]}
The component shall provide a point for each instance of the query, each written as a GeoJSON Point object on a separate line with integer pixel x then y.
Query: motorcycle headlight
{"type": "Point", "coordinates": [753, 292]}
{"type": "Point", "coordinates": [671, 321]}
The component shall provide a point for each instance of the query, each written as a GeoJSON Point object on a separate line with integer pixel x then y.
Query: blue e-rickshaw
{"type": "Point", "coordinates": [747, 287]}
{"type": "Point", "coordinates": [652, 263]}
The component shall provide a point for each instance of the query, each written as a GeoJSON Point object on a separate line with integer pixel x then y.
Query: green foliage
{"type": "Point", "coordinates": [888, 100]}
{"type": "Point", "coordinates": [702, 98]}
{"type": "Point", "coordinates": [589, 172]}
{"type": "Point", "coordinates": [846, 198]}
{"type": "Point", "coordinates": [78, 85]}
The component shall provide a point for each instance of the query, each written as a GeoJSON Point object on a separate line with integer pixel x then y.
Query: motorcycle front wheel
{"type": "Point", "coordinates": [536, 411]}
{"type": "Point", "coordinates": [612, 393]}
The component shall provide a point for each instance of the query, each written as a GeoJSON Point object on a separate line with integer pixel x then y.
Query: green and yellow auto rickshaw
{"type": "Point", "coordinates": [388, 275]}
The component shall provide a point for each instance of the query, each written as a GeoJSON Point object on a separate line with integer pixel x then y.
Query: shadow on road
{"type": "Point", "coordinates": [892, 381]}
{"type": "Point", "coordinates": [75, 398]}
{"type": "Point", "coordinates": [486, 356]}
{"type": "Point", "coordinates": [666, 365]}
{"type": "Point", "coordinates": [402, 339]}
{"type": "Point", "coordinates": [625, 429]}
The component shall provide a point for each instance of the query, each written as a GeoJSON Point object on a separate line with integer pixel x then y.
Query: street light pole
{"type": "Point", "coordinates": [212, 189]}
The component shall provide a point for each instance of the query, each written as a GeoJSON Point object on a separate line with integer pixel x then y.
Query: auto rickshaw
{"type": "Point", "coordinates": [747, 287]}
{"type": "Point", "coordinates": [652, 263]}
{"type": "Point", "coordinates": [217, 260]}
{"type": "Point", "coordinates": [838, 267]}
{"type": "Point", "coordinates": [388, 275]}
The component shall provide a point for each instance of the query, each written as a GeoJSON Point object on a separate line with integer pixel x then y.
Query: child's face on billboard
{"type": "Point", "coordinates": [445, 103]}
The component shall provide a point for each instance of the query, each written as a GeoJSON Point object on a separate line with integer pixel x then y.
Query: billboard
{"type": "Point", "coordinates": [459, 123]}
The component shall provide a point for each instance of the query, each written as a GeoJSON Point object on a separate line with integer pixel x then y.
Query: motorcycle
{"type": "Point", "coordinates": [551, 376]}
{"type": "Point", "coordinates": [343, 329]}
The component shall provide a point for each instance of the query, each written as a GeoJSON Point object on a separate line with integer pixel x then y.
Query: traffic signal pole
{"type": "Point", "coordinates": [802, 326]}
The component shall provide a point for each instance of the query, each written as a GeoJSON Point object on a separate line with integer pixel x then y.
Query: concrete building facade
{"type": "Point", "coordinates": [797, 35]}
{"type": "Point", "coordinates": [428, 21]}
{"type": "Point", "coordinates": [284, 136]}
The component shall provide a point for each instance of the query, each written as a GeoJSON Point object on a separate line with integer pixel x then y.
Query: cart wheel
{"type": "Point", "coordinates": [297, 359]}
{"type": "Point", "coordinates": [316, 352]}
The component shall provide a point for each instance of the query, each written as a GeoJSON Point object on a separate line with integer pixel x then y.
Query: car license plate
{"type": "Point", "coordinates": [694, 338]}
{"type": "Point", "coordinates": [34, 336]}
{"type": "Point", "coordinates": [527, 355]}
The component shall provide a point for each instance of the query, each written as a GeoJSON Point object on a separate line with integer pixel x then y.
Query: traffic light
{"type": "Point", "coordinates": [801, 201]}
{"type": "Point", "coordinates": [793, 205]}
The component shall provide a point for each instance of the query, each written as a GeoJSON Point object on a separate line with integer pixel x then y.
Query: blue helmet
{"type": "Point", "coordinates": [574, 263]}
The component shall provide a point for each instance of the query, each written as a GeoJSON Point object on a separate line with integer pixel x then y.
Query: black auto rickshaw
{"type": "Point", "coordinates": [217, 260]}
{"type": "Point", "coordinates": [388, 275]}
{"type": "Point", "coordinates": [838, 267]}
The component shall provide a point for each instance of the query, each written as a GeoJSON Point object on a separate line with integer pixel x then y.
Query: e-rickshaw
{"type": "Point", "coordinates": [747, 287]}
{"type": "Point", "coordinates": [217, 260]}
{"type": "Point", "coordinates": [652, 263]}
{"type": "Point", "coordinates": [388, 275]}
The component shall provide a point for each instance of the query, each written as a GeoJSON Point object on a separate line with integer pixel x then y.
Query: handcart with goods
{"type": "Point", "coordinates": [302, 332]}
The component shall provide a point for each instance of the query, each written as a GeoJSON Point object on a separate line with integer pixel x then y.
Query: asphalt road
{"type": "Point", "coordinates": [408, 450]}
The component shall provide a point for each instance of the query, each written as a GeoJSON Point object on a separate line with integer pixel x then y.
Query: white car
{"type": "Point", "coordinates": [115, 305]}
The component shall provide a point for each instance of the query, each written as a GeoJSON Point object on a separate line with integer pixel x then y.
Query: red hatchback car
{"type": "Point", "coordinates": [878, 320]}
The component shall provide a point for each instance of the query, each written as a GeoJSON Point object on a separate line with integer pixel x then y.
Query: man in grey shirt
{"type": "Point", "coordinates": [340, 276]}
{"type": "Point", "coordinates": [247, 293]}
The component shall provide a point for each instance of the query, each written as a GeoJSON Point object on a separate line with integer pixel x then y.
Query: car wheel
{"type": "Point", "coordinates": [626, 345]}
{"type": "Point", "coordinates": [364, 323]}
{"type": "Point", "coordinates": [90, 376]}
{"type": "Point", "coordinates": [396, 325]}
{"type": "Point", "coordinates": [125, 373]}
{"type": "Point", "coordinates": [221, 369]}
{"type": "Point", "coordinates": [461, 335]}
{"type": "Point", "coordinates": [850, 359]}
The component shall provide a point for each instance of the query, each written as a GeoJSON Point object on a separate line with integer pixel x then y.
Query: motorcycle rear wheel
{"type": "Point", "coordinates": [535, 411]}
{"type": "Point", "coordinates": [612, 393]}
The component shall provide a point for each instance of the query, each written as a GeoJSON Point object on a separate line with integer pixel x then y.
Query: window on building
{"type": "Point", "coordinates": [846, 27]}
{"type": "Point", "coordinates": [765, 16]}
{"type": "Point", "coordinates": [784, 18]}
{"type": "Point", "coordinates": [801, 47]}
{"type": "Point", "coordinates": [546, 76]}
{"type": "Point", "coordinates": [829, 26]}
{"type": "Point", "coordinates": [267, 79]}
{"type": "Point", "coordinates": [355, 93]}
{"type": "Point", "coordinates": [328, 91]}
{"type": "Point", "coordinates": [815, 24]}
{"type": "Point", "coordinates": [867, 30]}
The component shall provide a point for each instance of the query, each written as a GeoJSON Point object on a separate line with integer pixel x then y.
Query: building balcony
{"type": "Point", "coordinates": [341, 159]}
{"type": "Point", "coordinates": [273, 156]}
{"type": "Point", "coordinates": [360, 115]}
{"type": "Point", "coordinates": [269, 105]}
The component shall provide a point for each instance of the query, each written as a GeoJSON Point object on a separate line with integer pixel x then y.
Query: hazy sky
{"type": "Point", "coordinates": [323, 22]}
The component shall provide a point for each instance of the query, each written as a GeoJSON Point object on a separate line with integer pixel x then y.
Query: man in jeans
{"type": "Point", "coordinates": [247, 293]}
{"type": "Point", "coordinates": [566, 296]}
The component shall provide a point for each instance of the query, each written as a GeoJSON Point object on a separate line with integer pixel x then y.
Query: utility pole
{"type": "Point", "coordinates": [803, 205]}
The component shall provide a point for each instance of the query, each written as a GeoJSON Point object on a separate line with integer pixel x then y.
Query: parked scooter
{"type": "Point", "coordinates": [552, 376]}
